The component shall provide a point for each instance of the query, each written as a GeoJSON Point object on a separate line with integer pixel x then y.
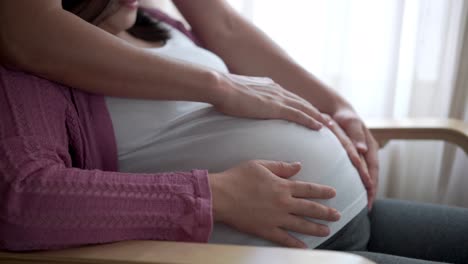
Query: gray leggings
{"type": "Point", "coordinates": [406, 232]}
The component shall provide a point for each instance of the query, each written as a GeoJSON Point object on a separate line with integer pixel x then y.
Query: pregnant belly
{"type": "Point", "coordinates": [203, 138]}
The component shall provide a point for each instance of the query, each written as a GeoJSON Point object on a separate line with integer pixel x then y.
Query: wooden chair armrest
{"type": "Point", "coordinates": [451, 130]}
{"type": "Point", "coordinates": [139, 252]}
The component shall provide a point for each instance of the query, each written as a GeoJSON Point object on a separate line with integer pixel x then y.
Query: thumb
{"type": "Point", "coordinates": [281, 168]}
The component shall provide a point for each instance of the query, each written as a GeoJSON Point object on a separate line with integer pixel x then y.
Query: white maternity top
{"type": "Point", "coordinates": [158, 136]}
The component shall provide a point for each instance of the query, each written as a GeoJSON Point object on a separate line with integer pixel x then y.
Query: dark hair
{"type": "Point", "coordinates": [148, 29]}
{"type": "Point", "coordinates": [145, 27]}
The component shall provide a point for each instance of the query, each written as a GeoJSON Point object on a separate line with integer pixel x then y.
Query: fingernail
{"type": "Point", "coordinates": [361, 146]}
{"type": "Point", "coordinates": [296, 163]}
{"type": "Point", "coordinates": [336, 214]}
{"type": "Point", "coordinates": [325, 231]}
{"type": "Point", "coordinates": [302, 245]}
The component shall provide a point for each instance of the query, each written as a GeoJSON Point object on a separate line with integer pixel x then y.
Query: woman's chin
{"type": "Point", "coordinates": [119, 22]}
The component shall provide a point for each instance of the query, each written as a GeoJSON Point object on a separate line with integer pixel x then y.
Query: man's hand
{"type": "Point", "coordinates": [263, 98]}
{"type": "Point", "coordinates": [360, 145]}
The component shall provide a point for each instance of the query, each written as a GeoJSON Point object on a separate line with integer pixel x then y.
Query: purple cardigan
{"type": "Point", "coordinates": [58, 181]}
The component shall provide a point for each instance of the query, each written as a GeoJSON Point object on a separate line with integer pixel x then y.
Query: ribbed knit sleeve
{"type": "Point", "coordinates": [47, 203]}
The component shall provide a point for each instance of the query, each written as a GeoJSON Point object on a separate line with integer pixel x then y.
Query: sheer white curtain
{"type": "Point", "coordinates": [391, 59]}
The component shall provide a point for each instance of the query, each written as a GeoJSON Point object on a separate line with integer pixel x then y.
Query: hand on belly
{"type": "Point", "coordinates": [256, 197]}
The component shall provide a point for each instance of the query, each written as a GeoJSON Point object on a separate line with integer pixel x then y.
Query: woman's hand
{"type": "Point", "coordinates": [258, 97]}
{"type": "Point", "coordinates": [256, 197]}
{"type": "Point", "coordinates": [361, 146]}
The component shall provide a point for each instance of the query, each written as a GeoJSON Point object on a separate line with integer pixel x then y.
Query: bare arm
{"type": "Point", "coordinates": [40, 37]}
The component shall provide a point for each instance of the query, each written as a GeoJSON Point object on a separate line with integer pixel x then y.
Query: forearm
{"type": "Point", "coordinates": [59, 46]}
{"type": "Point", "coordinates": [48, 204]}
{"type": "Point", "coordinates": [57, 207]}
{"type": "Point", "coordinates": [248, 51]}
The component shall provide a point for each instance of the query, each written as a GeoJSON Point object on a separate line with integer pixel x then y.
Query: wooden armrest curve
{"type": "Point", "coordinates": [451, 130]}
{"type": "Point", "coordinates": [139, 252]}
